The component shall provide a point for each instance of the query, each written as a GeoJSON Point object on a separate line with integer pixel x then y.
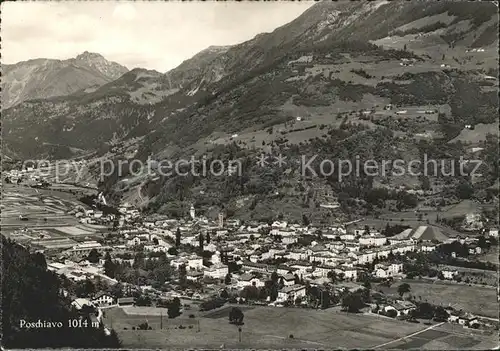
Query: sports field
{"type": "Point", "coordinates": [266, 327]}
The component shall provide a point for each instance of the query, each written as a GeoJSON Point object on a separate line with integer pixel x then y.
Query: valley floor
{"type": "Point", "coordinates": [266, 327]}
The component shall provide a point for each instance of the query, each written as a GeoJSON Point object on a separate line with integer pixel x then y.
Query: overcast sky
{"type": "Point", "coordinates": [154, 35]}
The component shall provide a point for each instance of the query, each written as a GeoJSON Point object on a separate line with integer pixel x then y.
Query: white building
{"type": "Point", "coordinates": [447, 274]}
{"type": "Point", "coordinates": [493, 232]}
{"type": "Point", "coordinates": [289, 279]}
{"type": "Point", "coordinates": [216, 271]}
{"type": "Point", "coordinates": [249, 280]}
{"type": "Point", "coordinates": [372, 240]}
{"type": "Point", "coordinates": [80, 302]}
{"type": "Point", "coordinates": [87, 246]}
{"type": "Point", "coordinates": [103, 300]}
{"type": "Point", "coordinates": [195, 263]}
{"type": "Point", "coordinates": [291, 293]}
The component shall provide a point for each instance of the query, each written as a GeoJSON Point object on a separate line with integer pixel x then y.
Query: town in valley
{"type": "Point", "coordinates": [160, 279]}
{"type": "Point", "coordinates": [250, 175]}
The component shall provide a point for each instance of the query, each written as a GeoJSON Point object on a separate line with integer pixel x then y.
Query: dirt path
{"type": "Point", "coordinates": [410, 335]}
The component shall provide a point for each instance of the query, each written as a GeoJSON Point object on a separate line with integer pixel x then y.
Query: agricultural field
{"type": "Point", "coordinates": [476, 276]}
{"type": "Point", "coordinates": [476, 135]}
{"type": "Point", "coordinates": [445, 337]}
{"type": "Point", "coordinates": [480, 300]}
{"type": "Point", "coordinates": [266, 327]}
{"type": "Point", "coordinates": [46, 213]}
{"type": "Point", "coordinates": [491, 256]}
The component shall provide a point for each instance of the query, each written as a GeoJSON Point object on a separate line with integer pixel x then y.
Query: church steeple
{"type": "Point", "coordinates": [192, 212]}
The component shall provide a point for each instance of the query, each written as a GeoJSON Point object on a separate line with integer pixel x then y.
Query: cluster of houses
{"type": "Point", "coordinates": [403, 308]}
{"type": "Point", "coordinates": [296, 253]}
{"type": "Point", "coordinates": [254, 245]}
{"type": "Point", "coordinates": [26, 174]}
{"type": "Point", "coordinates": [127, 215]}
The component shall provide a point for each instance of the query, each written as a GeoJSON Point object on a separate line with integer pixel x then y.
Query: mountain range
{"type": "Point", "coordinates": [45, 78]}
{"type": "Point", "coordinates": [301, 87]}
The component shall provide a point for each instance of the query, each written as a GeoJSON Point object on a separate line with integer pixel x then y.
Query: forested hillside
{"type": "Point", "coordinates": [31, 293]}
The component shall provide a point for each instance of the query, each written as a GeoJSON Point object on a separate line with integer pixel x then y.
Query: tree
{"type": "Point", "coordinates": [250, 292]}
{"type": "Point", "coordinates": [425, 183]}
{"type": "Point", "coordinates": [440, 314]}
{"type": "Point", "coordinates": [224, 294]}
{"type": "Point", "coordinates": [85, 288]}
{"type": "Point", "coordinates": [109, 266]}
{"type": "Point", "coordinates": [273, 293]}
{"type": "Point", "coordinates": [93, 256]}
{"type": "Point", "coordinates": [178, 238]}
{"type": "Point", "coordinates": [173, 251]}
{"type": "Point", "coordinates": [352, 303]}
{"type": "Point", "coordinates": [274, 277]}
{"type": "Point", "coordinates": [482, 243]}
{"type": "Point", "coordinates": [332, 276]}
{"type": "Point", "coordinates": [236, 316]}
{"type": "Point", "coordinates": [366, 291]}
{"type": "Point", "coordinates": [182, 275]}
{"type": "Point", "coordinates": [201, 240]}
{"type": "Point", "coordinates": [139, 260]}
{"type": "Point", "coordinates": [116, 290]}
{"type": "Point", "coordinates": [296, 279]}
{"type": "Point", "coordinates": [174, 308]}
{"type": "Point", "coordinates": [324, 299]}
{"type": "Point", "coordinates": [464, 190]}
{"type": "Point", "coordinates": [305, 220]}
{"type": "Point", "coordinates": [227, 279]}
{"type": "Point", "coordinates": [208, 238]}
{"type": "Point", "coordinates": [116, 223]}
{"type": "Point", "coordinates": [403, 288]}
{"type": "Point", "coordinates": [143, 300]}
{"type": "Point", "coordinates": [424, 310]}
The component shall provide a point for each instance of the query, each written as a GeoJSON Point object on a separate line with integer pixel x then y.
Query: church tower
{"type": "Point", "coordinates": [192, 212]}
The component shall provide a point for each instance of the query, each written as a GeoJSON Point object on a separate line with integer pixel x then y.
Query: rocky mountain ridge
{"type": "Point", "coordinates": [45, 78]}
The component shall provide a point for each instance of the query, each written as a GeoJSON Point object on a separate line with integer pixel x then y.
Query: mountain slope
{"type": "Point", "coordinates": [309, 88]}
{"type": "Point", "coordinates": [320, 36]}
{"type": "Point", "coordinates": [305, 66]}
{"type": "Point", "coordinates": [317, 85]}
{"type": "Point", "coordinates": [44, 78]}
{"type": "Point", "coordinates": [330, 22]}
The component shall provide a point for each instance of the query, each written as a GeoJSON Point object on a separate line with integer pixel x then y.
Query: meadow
{"type": "Point", "coordinates": [266, 327]}
{"type": "Point", "coordinates": [480, 300]}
